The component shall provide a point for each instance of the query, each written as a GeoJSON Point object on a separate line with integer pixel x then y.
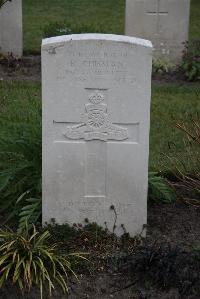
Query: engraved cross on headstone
{"type": "Point", "coordinates": [158, 13]}
{"type": "Point", "coordinates": [96, 130]}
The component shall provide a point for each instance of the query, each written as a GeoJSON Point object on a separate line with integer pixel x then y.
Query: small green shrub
{"type": "Point", "coordinates": [56, 29]}
{"type": "Point", "coordinates": [20, 164]}
{"type": "Point", "coordinates": [65, 28]}
{"type": "Point", "coordinates": [162, 66]}
{"type": "Point", "coordinates": [159, 189]}
{"type": "Point", "coordinates": [30, 260]}
{"type": "Point", "coordinates": [190, 65]}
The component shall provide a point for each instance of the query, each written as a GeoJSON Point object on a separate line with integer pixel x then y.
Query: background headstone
{"type": "Point", "coordinates": [11, 40]}
{"type": "Point", "coordinates": [164, 22]}
{"type": "Point", "coordinates": [96, 110]}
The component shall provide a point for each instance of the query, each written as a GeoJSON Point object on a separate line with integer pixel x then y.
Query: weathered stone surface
{"type": "Point", "coordinates": [164, 22]}
{"type": "Point", "coordinates": [11, 28]}
{"type": "Point", "coordinates": [96, 106]}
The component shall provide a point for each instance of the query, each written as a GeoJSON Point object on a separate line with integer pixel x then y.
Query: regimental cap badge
{"type": "Point", "coordinates": [96, 124]}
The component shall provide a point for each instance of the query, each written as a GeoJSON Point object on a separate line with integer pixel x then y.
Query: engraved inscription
{"type": "Point", "coordinates": [100, 68]}
{"type": "Point", "coordinates": [96, 123]}
{"type": "Point", "coordinates": [97, 64]}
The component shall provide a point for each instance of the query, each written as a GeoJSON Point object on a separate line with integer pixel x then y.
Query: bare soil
{"type": "Point", "coordinates": [176, 223]}
{"type": "Point", "coordinates": [26, 69]}
{"type": "Point", "coordinates": [101, 286]}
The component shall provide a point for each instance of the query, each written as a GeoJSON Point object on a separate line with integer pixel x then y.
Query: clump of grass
{"type": "Point", "coordinates": [29, 259]}
{"type": "Point", "coordinates": [186, 168]}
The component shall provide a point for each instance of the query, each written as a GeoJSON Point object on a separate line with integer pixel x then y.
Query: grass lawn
{"type": "Point", "coordinates": [108, 14]}
{"type": "Point", "coordinates": [170, 104]}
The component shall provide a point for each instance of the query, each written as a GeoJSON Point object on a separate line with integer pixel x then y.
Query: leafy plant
{"type": "Point", "coordinates": [190, 65]}
{"type": "Point", "coordinates": [30, 212]}
{"type": "Point", "coordinates": [29, 259]}
{"type": "Point", "coordinates": [65, 28]}
{"type": "Point", "coordinates": [20, 164]}
{"type": "Point", "coordinates": [159, 189]}
{"type": "Point", "coordinates": [162, 66]}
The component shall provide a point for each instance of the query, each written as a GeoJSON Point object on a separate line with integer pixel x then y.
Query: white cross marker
{"type": "Point", "coordinates": [95, 130]}
{"type": "Point", "coordinates": [158, 14]}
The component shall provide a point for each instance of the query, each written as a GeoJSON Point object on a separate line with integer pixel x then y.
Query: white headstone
{"type": "Point", "coordinates": [96, 106]}
{"type": "Point", "coordinates": [11, 28]}
{"type": "Point", "coordinates": [164, 22]}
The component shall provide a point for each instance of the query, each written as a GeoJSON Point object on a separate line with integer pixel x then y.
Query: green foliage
{"type": "Point", "coordinates": [29, 259]}
{"type": "Point", "coordinates": [186, 167]}
{"type": "Point", "coordinates": [190, 65]}
{"type": "Point", "coordinates": [162, 66]}
{"type": "Point", "coordinates": [110, 13]}
{"type": "Point", "coordinates": [20, 163]}
{"type": "Point", "coordinates": [170, 104]}
{"type": "Point", "coordinates": [56, 29]}
{"type": "Point", "coordinates": [107, 14]}
{"type": "Point", "coordinates": [65, 28]}
{"type": "Point", "coordinates": [194, 19]}
{"type": "Point", "coordinates": [30, 212]}
{"type": "Point", "coordinates": [159, 189]}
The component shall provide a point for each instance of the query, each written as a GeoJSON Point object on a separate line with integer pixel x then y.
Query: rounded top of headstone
{"type": "Point", "coordinates": [96, 36]}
